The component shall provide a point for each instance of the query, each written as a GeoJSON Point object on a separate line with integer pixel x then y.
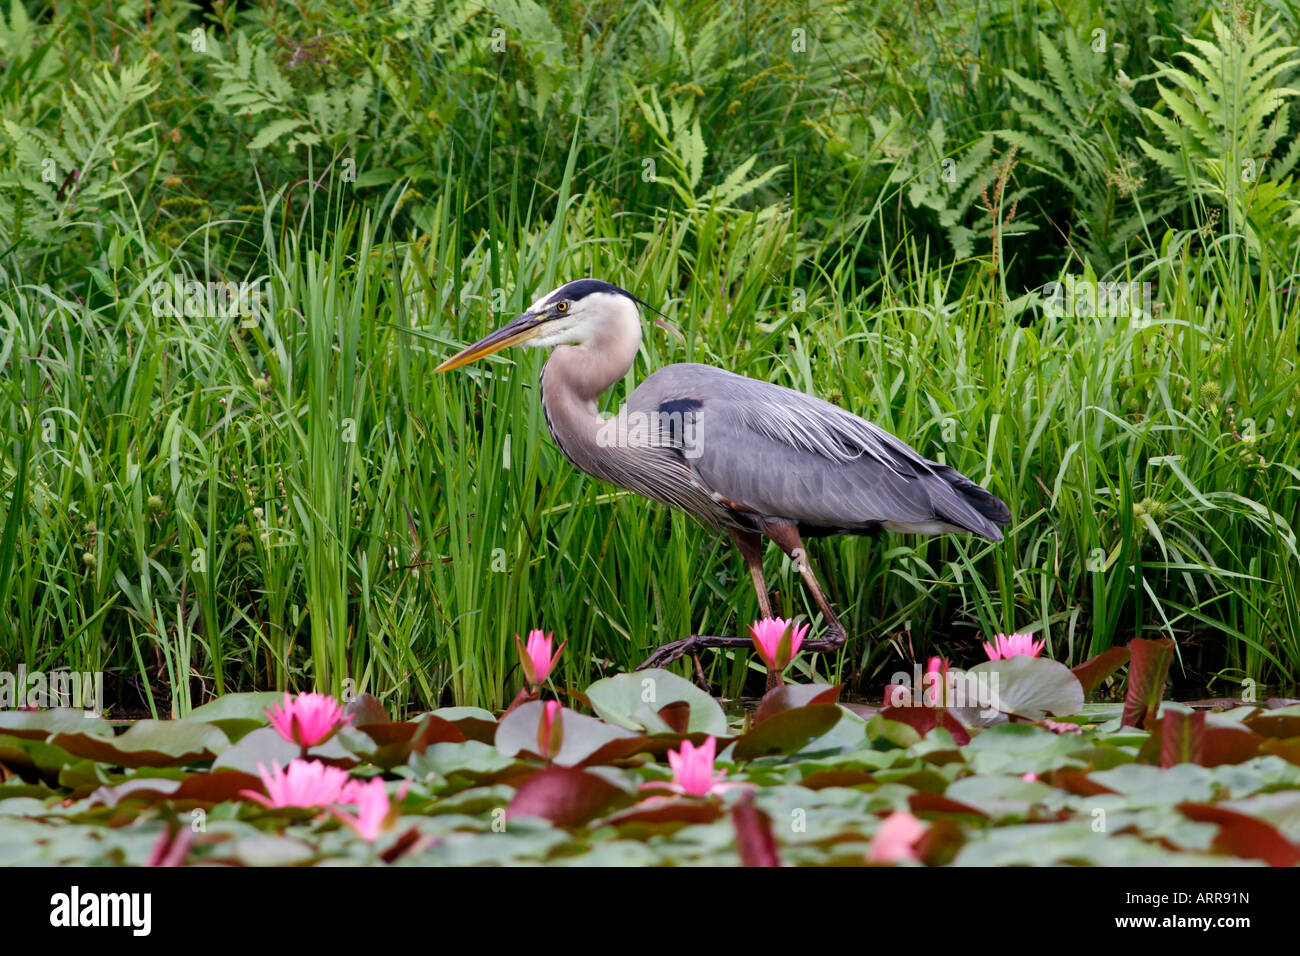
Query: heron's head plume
{"type": "Point", "coordinates": [576, 313]}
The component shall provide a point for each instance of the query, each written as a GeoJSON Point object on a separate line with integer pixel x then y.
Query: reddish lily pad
{"type": "Point", "coordinates": [924, 779]}
{"type": "Point", "coordinates": [1282, 722]}
{"type": "Point", "coordinates": [395, 742]}
{"type": "Point", "coordinates": [677, 716]}
{"type": "Point", "coordinates": [1146, 680]}
{"type": "Point", "coordinates": [1288, 750]}
{"type": "Point", "coordinates": [925, 719]}
{"type": "Point", "coordinates": [787, 732]}
{"type": "Point", "coordinates": [940, 843]}
{"type": "Point", "coordinates": [565, 796]}
{"type": "Point", "coordinates": [148, 743]}
{"type": "Point", "coordinates": [755, 841]}
{"type": "Point", "coordinates": [474, 722]}
{"type": "Point", "coordinates": [197, 789]}
{"type": "Point", "coordinates": [847, 777]}
{"type": "Point", "coordinates": [1229, 745]}
{"type": "Point", "coordinates": [1243, 835]}
{"type": "Point", "coordinates": [923, 802]}
{"type": "Point", "coordinates": [1077, 782]}
{"type": "Point", "coordinates": [1096, 669]}
{"type": "Point", "coordinates": [366, 709]}
{"type": "Point", "coordinates": [1181, 736]}
{"type": "Point", "coordinates": [792, 696]}
{"type": "Point", "coordinates": [662, 811]}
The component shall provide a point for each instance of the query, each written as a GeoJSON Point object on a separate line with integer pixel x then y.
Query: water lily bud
{"type": "Point", "coordinates": [550, 730]}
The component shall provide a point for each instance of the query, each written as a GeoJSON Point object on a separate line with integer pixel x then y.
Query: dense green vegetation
{"type": "Point", "coordinates": [867, 202]}
{"type": "Point", "coordinates": [801, 781]}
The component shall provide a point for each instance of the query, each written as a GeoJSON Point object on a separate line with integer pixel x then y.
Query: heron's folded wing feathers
{"type": "Point", "coordinates": [786, 454]}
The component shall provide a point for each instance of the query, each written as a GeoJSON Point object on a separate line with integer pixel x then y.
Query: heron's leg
{"type": "Point", "coordinates": [835, 633]}
{"type": "Point", "coordinates": [750, 544]}
{"type": "Point", "coordinates": [787, 538]}
{"type": "Point", "coordinates": [669, 652]}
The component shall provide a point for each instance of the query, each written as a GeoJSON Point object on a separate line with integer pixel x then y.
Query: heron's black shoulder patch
{"type": "Point", "coordinates": [680, 405]}
{"type": "Point", "coordinates": [581, 288]}
{"type": "Point", "coordinates": [676, 425]}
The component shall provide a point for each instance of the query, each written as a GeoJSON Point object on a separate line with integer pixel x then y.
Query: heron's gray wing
{"type": "Point", "coordinates": [786, 454]}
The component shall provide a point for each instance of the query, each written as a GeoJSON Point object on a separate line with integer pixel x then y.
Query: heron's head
{"type": "Point", "coordinates": [578, 312]}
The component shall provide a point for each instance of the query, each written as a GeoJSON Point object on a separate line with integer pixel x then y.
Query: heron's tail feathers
{"type": "Point", "coordinates": [972, 507]}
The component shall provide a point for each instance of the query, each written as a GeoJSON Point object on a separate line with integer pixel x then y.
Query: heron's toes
{"type": "Point", "coordinates": [668, 653]}
{"type": "Point", "coordinates": [833, 641]}
{"type": "Point", "coordinates": [692, 645]}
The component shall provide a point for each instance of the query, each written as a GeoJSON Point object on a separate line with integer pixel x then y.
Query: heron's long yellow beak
{"type": "Point", "coordinates": [514, 332]}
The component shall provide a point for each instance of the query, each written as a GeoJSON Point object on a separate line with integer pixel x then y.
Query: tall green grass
{"type": "Point", "coordinates": [196, 504]}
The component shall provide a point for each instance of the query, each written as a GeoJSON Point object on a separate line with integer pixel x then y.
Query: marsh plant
{"type": "Point", "coordinates": [918, 212]}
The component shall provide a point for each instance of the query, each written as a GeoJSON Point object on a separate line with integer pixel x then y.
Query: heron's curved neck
{"type": "Point", "coordinates": [575, 376]}
{"type": "Point", "coordinates": [585, 369]}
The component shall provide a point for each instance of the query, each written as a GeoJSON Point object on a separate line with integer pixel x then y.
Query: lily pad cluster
{"type": "Point", "coordinates": [624, 774]}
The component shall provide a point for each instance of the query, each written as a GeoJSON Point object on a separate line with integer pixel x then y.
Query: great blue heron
{"type": "Point", "coordinates": [743, 456]}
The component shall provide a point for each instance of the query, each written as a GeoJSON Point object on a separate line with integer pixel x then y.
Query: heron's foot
{"type": "Point", "coordinates": [691, 645]}
{"type": "Point", "coordinates": [833, 641]}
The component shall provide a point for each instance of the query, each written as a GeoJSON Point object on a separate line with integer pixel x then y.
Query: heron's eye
{"type": "Point", "coordinates": [562, 307]}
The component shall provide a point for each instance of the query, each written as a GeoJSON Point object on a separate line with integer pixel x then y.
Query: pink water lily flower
{"type": "Point", "coordinates": [935, 683]}
{"type": "Point", "coordinates": [171, 847]}
{"type": "Point", "coordinates": [770, 640]}
{"type": "Point", "coordinates": [535, 657]}
{"type": "Point", "coordinates": [376, 813]}
{"type": "Point", "coordinates": [1061, 726]}
{"type": "Point", "coordinates": [693, 769]}
{"type": "Point", "coordinates": [895, 839]}
{"type": "Point", "coordinates": [1005, 646]}
{"type": "Point", "coordinates": [550, 730]}
{"type": "Point", "coordinates": [304, 783]}
{"type": "Point", "coordinates": [308, 719]}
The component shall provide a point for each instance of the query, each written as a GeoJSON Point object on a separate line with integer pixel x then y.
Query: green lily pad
{"type": "Point", "coordinates": [633, 701]}
{"type": "Point", "coordinates": [197, 789]}
{"type": "Point", "coordinates": [583, 738]}
{"type": "Point", "coordinates": [474, 722]}
{"type": "Point", "coordinates": [237, 706]}
{"type": "Point", "coordinates": [148, 743]}
{"type": "Point", "coordinates": [1031, 687]}
{"type": "Point", "coordinates": [41, 724]}
{"type": "Point", "coordinates": [266, 745]}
